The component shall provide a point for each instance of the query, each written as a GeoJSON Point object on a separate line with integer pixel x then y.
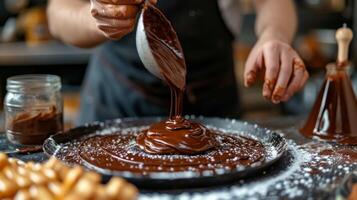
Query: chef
{"type": "Point", "coordinates": [117, 84]}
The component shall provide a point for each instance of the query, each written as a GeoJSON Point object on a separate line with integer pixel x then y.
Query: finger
{"type": "Point", "coordinates": [252, 67]}
{"type": "Point", "coordinates": [121, 2]}
{"type": "Point", "coordinates": [115, 24]}
{"type": "Point", "coordinates": [304, 80]}
{"type": "Point", "coordinates": [117, 34]}
{"type": "Point", "coordinates": [153, 1]}
{"type": "Point", "coordinates": [109, 30]}
{"type": "Point", "coordinates": [114, 11]}
{"type": "Point", "coordinates": [250, 72]}
{"type": "Point", "coordinates": [296, 79]}
{"type": "Point", "coordinates": [302, 83]}
{"type": "Point", "coordinates": [284, 76]}
{"type": "Point", "coordinates": [271, 59]}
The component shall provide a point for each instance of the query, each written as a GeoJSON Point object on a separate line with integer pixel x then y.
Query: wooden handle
{"type": "Point", "coordinates": [344, 37]}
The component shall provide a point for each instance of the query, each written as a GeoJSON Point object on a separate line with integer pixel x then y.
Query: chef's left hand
{"type": "Point", "coordinates": [283, 70]}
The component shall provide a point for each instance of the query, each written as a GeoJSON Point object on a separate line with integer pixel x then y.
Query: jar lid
{"type": "Point", "coordinates": [33, 82]}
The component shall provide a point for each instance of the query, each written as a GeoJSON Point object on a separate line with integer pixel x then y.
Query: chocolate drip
{"type": "Point", "coordinates": [176, 135]}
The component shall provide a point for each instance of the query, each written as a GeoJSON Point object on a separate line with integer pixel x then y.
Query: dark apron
{"type": "Point", "coordinates": [117, 84]}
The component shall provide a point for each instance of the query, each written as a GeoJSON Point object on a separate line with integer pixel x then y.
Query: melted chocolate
{"type": "Point", "coordinates": [334, 114]}
{"type": "Point", "coordinates": [118, 152]}
{"type": "Point", "coordinates": [176, 135]}
{"type": "Point", "coordinates": [28, 128]}
{"type": "Point", "coordinates": [165, 47]}
{"type": "Point", "coordinates": [344, 154]}
{"type": "Point", "coordinates": [176, 144]}
{"type": "Point", "coordinates": [340, 154]}
{"type": "Point", "coordinates": [172, 138]}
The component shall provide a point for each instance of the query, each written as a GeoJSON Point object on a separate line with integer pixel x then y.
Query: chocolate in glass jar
{"type": "Point", "coordinates": [33, 108]}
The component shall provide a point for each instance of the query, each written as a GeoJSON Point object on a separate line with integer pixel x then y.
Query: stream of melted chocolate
{"type": "Point", "coordinates": [176, 144]}
{"type": "Point", "coordinates": [175, 135]}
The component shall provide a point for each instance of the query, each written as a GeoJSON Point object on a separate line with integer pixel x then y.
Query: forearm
{"type": "Point", "coordinates": [276, 19]}
{"type": "Point", "coordinates": [71, 21]}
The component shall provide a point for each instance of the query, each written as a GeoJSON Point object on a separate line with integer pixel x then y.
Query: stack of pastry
{"type": "Point", "coordinates": [54, 181]}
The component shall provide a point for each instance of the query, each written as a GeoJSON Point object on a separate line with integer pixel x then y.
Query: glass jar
{"type": "Point", "coordinates": [33, 108]}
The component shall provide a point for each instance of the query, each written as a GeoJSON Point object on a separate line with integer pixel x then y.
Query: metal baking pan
{"type": "Point", "coordinates": [275, 145]}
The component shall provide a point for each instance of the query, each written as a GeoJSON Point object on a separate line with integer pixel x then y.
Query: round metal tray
{"type": "Point", "coordinates": [275, 147]}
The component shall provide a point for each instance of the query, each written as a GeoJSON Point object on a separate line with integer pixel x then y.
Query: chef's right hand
{"type": "Point", "coordinates": [116, 18]}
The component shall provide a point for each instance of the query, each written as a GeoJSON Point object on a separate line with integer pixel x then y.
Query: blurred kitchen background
{"type": "Point", "coordinates": [27, 47]}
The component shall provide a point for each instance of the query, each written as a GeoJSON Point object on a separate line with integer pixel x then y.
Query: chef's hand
{"type": "Point", "coordinates": [283, 70]}
{"type": "Point", "coordinates": [116, 18]}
